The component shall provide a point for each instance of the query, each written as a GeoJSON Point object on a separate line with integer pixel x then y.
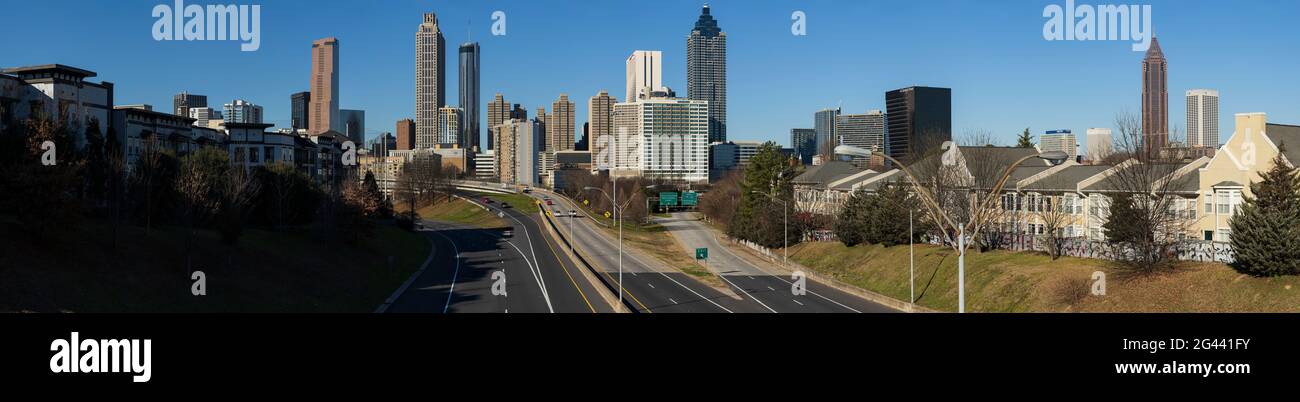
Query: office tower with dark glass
{"type": "Point", "coordinates": [430, 80]}
{"type": "Point", "coordinates": [354, 125]}
{"type": "Point", "coordinates": [824, 124]}
{"type": "Point", "coordinates": [706, 71]}
{"type": "Point", "coordinates": [804, 143]}
{"type": "Point", "coordinates": [918, 119]}
{"type": "Point", "coordinates": [469, 96]}
{"type": "Point", "coordinates": [182, 102]}
{"type": "Point", "coordinates": [1155, 99]}
{"type": "Point", "coordinates": [323, 112]}
{"type": "Point", "coordinates": [299, 104]}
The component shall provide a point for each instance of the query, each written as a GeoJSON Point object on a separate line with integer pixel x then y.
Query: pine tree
{"type": "Point", "coordinates": [850, 227]}
{"type": "Point", "coordinates": [758, 218]}
{"type": "Point", "coordinates": [1025, 140]}
{"type": "Point", "coordinates": [1266, 229]}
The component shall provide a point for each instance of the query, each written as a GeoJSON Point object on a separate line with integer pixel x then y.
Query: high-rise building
{"type": "Point", "coordinates": [485, 165]}
{"type": "Point", "coordinates": [202, 115]}
{"type": "Point", "coordinates": [242, 111]}
{"type": "Point", "coordinates": [866, 131]}
{"type": "Point", "coordinates": [498, 112]}
{"type": "Point", "coordinates": [405, 135]}
{"type": "Point", "coordinates": [324, 111]}
{"type": "Point", "coordinates": [430, 80]}
{"type": "Point", "coordinates": [469, 96]}
{"type": "Point", "coordinates": [184, 101]}
{"type": "Point", "coordinates": [1155, 99]}
{"type": "Point", "coordinates": [1203, 118]}
{"type": "Point", "coordinates": [804, 142]}
{"type": "Point", "coordinates": [919, 119]}
{"type": "Point", "coordinates": [1100, 144]}
{"type": "Point", "coordinates": [541, 121]}
{"type": "Point", "coordinates": [1059, 140]}
{"type": "Point", "coordinates": [450, 120]}
{"type": "Point", "coordinates": [517, 151]}
{"type": "Point", "coordinates": [354, 125]}
{"type": "Point", "coordinates": [600, 119]}
{"type": "Point", "coordinates": [380, 146]}
{"type": "Point", "coordinates": [706, 71]}
{"type": "Point", "coordinates": [559, 125]}
{"type": "Point", "coordinates": [299, 105]}
{"type": "Point", "coordinates": [824, 124]}
{"type": "Point", "coordinates": [662, 137]}
{"type": "Point", "coordinates": [518, 113]}
{"type": "Point", "coordinates": [644, 74]}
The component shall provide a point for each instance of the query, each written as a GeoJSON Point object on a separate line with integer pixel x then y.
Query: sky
{"type": "Point", "coordinates": [1004, 75]}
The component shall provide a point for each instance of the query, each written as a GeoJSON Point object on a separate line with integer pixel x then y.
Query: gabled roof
{"type": "Point", "coordinates": [826, 173]}
{"type": "Point", "coordinates": [1286, 137]}
{"type": "Point", "coordinates": [1067, 179]}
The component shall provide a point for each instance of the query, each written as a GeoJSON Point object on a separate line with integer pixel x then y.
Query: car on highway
{"type": "Point", "coordinates": [487, 200]}
{"type": "Point", "coordinates": [505, 205]}
{"type": "Point", "coordinates": [573, 212]}
{"type": "Point", "coordinates": [549, 202]}
{"type": "Point", "coordinates": [508, 233]}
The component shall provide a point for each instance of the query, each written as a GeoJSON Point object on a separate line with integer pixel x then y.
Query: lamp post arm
{"type": "Point", "coordinates": [976, 224]}
{"type": "Point", "coordinates": [936, 212]}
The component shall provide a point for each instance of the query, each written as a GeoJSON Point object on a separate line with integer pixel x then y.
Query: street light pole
{"type": "Point", "coordinates": [911, 259]}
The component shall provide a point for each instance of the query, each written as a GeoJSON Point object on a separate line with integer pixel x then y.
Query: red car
{"type": "Point", "coordinates": [549, 202]}
{"type": "Point", "coordinates": [487, 200]}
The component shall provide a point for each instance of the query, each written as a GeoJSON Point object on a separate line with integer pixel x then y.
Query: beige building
{"type": "Point", "coordinates": [1226, 179]}
{"type": "Point", "coordinates": [498, 112]}
{"type": "Point", "coordinates": [600, 120]}
{"type": "Point", "coordinates": [517, 151]}
{"type": "Point", "coordinates": [324, 106]}
{"type": "Point", "coordinates": [559, 125]}
{"type": "Point", "coordinates": [430, 80]}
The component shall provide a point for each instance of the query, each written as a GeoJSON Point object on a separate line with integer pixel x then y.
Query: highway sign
{"type": "Point", "coordinates": [585, 202]}
{"type": "Point", "coordinates": [701, 254]}
{"type": "Point", "coordinates": [668, 199]}
{"type": "Point", "coordinates": [606, 214]}
{"type": "Point", "coordinates": [690, 199]}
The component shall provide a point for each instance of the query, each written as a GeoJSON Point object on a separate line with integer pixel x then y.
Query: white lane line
{"type": "Point", "coordinates": [770, 288]}
{"type": "Point", "coordinates": [455, 274]}
{"type": "Point", "coordinates": [742, 290]}
{"type": "Point", "coordinates": [535, 277]}
{"type": "Point", "coordinates": [652, 286]}
{"type": "Point", "coordinates": [671, 300]}
{"type": "Point", "coordinates": [796, 301]}
{"type": "Point", "coordinates": [535, 266]}
{"type": "Point", "coordinates": [696, 293]}
{"type": "Point", "coordinates": [751, 277]}
{"type": "Point", "coordinates": [778, 277]}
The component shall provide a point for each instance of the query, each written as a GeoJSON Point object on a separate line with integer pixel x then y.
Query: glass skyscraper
{"type": "Point", "coordinates": [469, 95]}
{"type": "Point", "coordinates": [706, 72]}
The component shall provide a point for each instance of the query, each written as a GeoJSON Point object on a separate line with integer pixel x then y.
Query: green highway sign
{"type": "Point", "coordinates": [690, 199]}
{"type": "Point", "coordinates": [701, 253]}
{"type": "Point", "coordinates": [668, 199]}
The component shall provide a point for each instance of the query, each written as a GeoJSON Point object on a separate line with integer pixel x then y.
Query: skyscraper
{"type": "Point", "coordinates": [541, 126]}
{"type": "Point", "coordinates": [182, 102]}
{"type": "Point", "coordinates": [919, 119]}
{"type": "Point", "coordinates": [1059, 140]}
{"type": "Point", "coordinates": [516, 151]}
{"type": "Point", "coordinates": [560, 125]}
{"type": "Point", "coordinates": [242, 111]}
{"type": "Point", "coordinates": [824, 123]}
{"type": "Point", "coordinates": [662, 137]}
{"type": "Point", "coordinates": [354, 125]}
{"type": "Point", "coordinates": [804, 143]}
{"type": "Point", "coordinates": [469, 96]}
{"type": "Point", "coordinates": [600, 120]}
{"type": "Point", "coordinates": [1099, 144]}
{"type": "Point", "coordinates": [450, 120]}
{"type": "Point", "coordinates": [644, 73]}
{"type": "Point", "coordinates": [430, 80]}
{"type": "Point", "coordinates": [323, 115]}
{"type": "Point", "coordinates": [1203, 118]}
{"type": "Point", "coordinates": [498, 111]}
{"type": "Point", "coordinates": [866, 131]}
{"type": "Point", "coordinates": [1155, 99]}
{"type": "Point", "coordinates": [405, 135]}
{"type": "Point", "coordinates": [706, 71]}
{"type": "Point", "coordinates": [299, 105]}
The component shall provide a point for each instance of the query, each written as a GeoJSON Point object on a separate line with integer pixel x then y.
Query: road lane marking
{"type": "Point", "coordinates": [652, 286]}
{"type": "Point", "coordinates": [535, 277]}
{"type": "Point", "coordinates": [537, 271]}
{"type": "Point", "coordinates": [671, 300]}
{"type": "Point", "coordinates": [556, 255]}
{"type": "Point", "coordinates": [742, 290]}
{"type": "Point", "coordinates": [770, 288]}
{"type": "Point", "coordinates": [452, 290]}
{"type": "Point", "coordinates": [796, 301]}
{"type": "Point", "coordinates": [728, 251]}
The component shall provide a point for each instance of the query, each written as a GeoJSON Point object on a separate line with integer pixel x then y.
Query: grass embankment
{"type": "Point", "coordinates": [459, 211]}
{"type": "Point", "coordinates": [292, 271]}
{"type": "Point", "coordinates": [1001, 281]}
{"type": "Point", "coordinates": [521, 202]}
{"type": "Point", "coordinates": [655, 240]}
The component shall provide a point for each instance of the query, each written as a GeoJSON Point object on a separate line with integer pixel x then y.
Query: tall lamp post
{"type": "Point", "coordinates": [785, 218]}
{"type": "Point", "coordinates": [936, 212]}
{"type": "Point", "coordinates": [618, 217]}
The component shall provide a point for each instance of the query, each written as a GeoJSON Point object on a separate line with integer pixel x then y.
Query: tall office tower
{"type": "Point", "coordinates": [469, 96]}
{"type": "Point", "coordinates": [518, 113]}
{"type": "Point", "coordinates": [662, 137]}
{"type": "Point", "coordinates": [824, 124]}
{"type": "Point", "coordinates": [1100, 144]}
{"type": "Point", "coordinates": [1155, 99]}
{"type": "Point", "coordinates": [498, 111]}
{"type": "Point", "coordinates": [430, 80]}
{"type": "Point", "coordinates": [541, 125]}
{"type": "Point", "coordinates": [405, 135]}
{"type": "Point", "coordinates": [559, 125]}
{"type": "Point", "coordinates": [202, 115]}
{"type": "Point", "coordinates": [644, 74]}
{"type": "Point", "coordinates": [866, 131]}
{"type": "Point", "coordinates": [450, 121]}
{"type": "Point", "coordinates": [354, 125]}
{"type": "Point", "coordinates": [299, 105]}
{"type": "Point", "coordinates": [1059, 140]}
{"type": "Point", "coordinates": [516, 151]}
{"type": "Point", "coordinates": [804, 143]}
{"type": "Point", "coordinates": [919, 119]}
{"type": "Point", "coordinates": [242, 111]}
{"type": "Point", "coordinates": [581, 144]}
{"type": "Point", "coordinates": [184, 101]}
{"type": "Point", "coordinates": [323, 115]}
{"type": "Point", "coordinates": [1203, 118]}
{"type": "Point", "coordinates": [600, 118]}
{"type": "Point", "coordinates": [706, 71]}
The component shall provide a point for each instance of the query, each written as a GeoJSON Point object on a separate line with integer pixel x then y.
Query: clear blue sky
{"type": "Point", "coordinates": [1004, 75]}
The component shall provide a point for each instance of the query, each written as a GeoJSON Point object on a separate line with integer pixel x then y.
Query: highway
{"type": "Point", "coordinates": [768, 287]}
{"type": "Point", "coordinates": [460, 277]}
{"type": "Point", "coordinates": [648, 286]}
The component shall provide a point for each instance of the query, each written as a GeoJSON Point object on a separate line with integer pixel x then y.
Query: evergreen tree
{"type": "Point", "coordinates": [850, 227]}
{"type": "Point", "coordinates": [1025, 140]}
{"type": "Point", "coordinates": [1124, 224]}
{"type": "Point", "coordinates": [1266, 229]}
{"type": "Point", "coordinates": [758, 218]}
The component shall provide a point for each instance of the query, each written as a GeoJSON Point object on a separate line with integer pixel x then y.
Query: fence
{"type": "Point", "coordinates": [1191, 250]}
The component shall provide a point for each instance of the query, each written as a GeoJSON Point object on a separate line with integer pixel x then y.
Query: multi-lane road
{"type": "Point", "coordinates": [476, 270]}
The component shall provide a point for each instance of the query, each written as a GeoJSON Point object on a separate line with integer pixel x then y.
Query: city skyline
{"type": "Point", "coordinates": [1064, 85]}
